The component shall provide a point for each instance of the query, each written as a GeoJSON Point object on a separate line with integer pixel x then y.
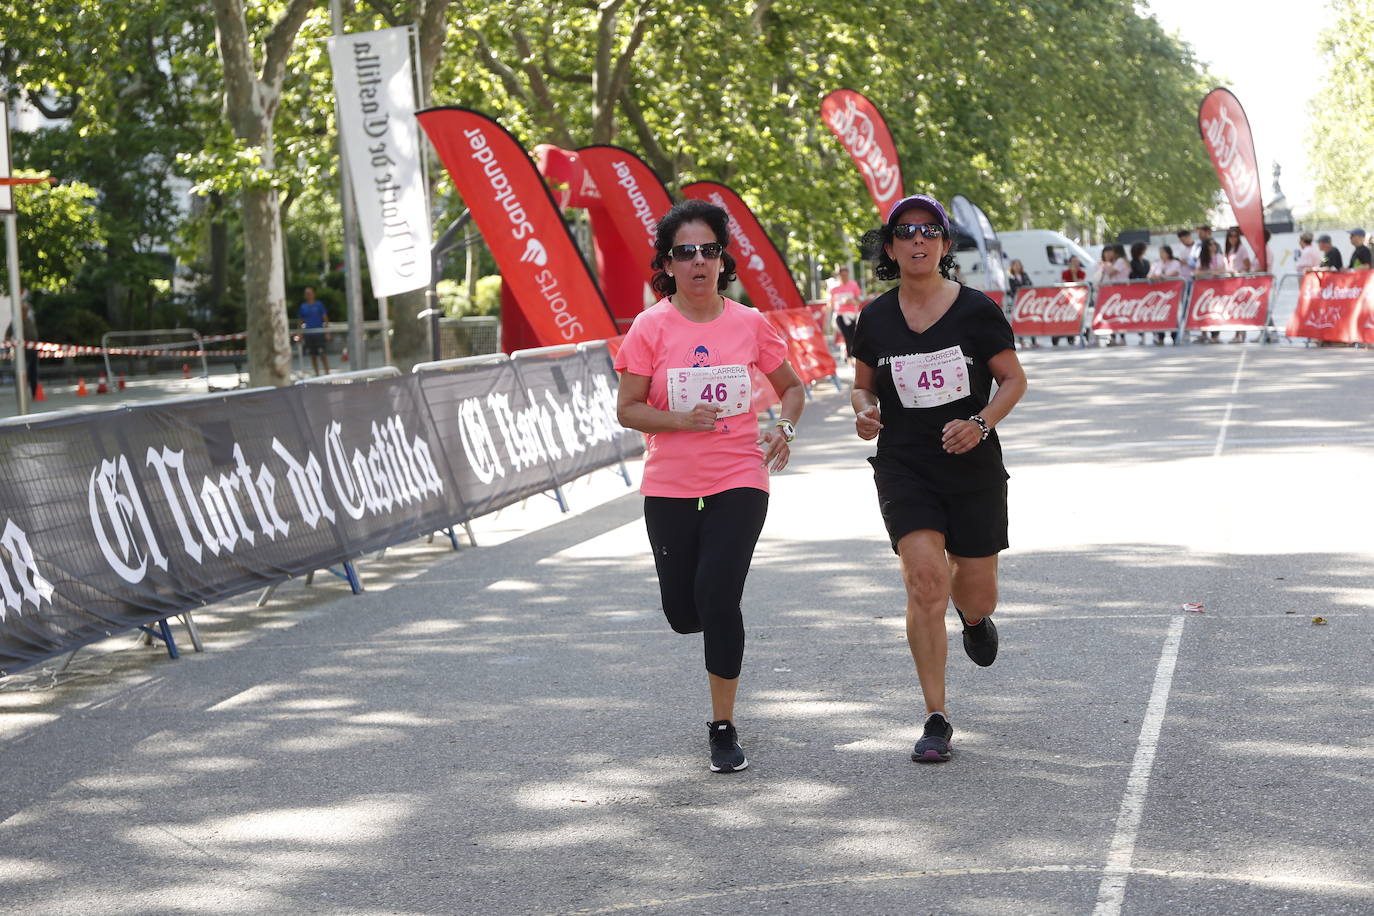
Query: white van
{"type": "Point", "coordinates": [1044, 254]}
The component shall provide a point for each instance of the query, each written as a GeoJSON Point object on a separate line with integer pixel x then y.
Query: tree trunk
{"type": "Point", "coordinates": [269, 343]}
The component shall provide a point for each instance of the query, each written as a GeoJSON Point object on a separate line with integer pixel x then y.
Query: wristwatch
{"type": "Point", "coordinates": [789, 431]}
{"type": "Point", "coordinates": [983, 425]}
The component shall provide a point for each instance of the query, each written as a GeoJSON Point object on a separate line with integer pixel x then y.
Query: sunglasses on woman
{"type": "Point", "coordinates": [906, 231]}
{"type": "Point", "coordinates": [710, 251]}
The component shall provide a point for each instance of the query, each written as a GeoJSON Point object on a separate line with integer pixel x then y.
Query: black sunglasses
{"type": "Point", "coordinates": [710, 251]}
{"type": "Point", "coordinates": [906, 231]}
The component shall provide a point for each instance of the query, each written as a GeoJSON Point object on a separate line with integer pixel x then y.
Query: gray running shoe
{"type": "Point", "coordinates": [934, 744]}
{"type": "Point", "coordinates": [726, 754]}
{"type": "Point", "coordinates": [980, 642]}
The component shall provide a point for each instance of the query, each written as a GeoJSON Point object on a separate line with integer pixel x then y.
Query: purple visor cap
{"type": "Point", "coordinates": [919, 200]}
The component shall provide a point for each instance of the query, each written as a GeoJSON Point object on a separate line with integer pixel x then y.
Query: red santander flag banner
{"type": "Point", "coordinates": [1138, 307]}
{"type": "Point", "coordinates": [1224, 303]}
{"type": "Point", "coordinates": [513, 209]}
{"type": "Point", "coordinates": [1226, 134]}
{"type": "Point", "coordinates": [1053, 310]}
{"type": "Point", "coordinates": [761, 268]}
{"type": "Point", "coordinates": [806, 349]}
{"type": "Point", "coordinates": [1335, 305]}
{"type": "Point", "coordinates": [633, 195]}
{"type": "Point", "coordinates": [862, 131]}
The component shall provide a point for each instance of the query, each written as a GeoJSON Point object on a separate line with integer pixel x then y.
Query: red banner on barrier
{"type": "Point", "coordinates": [1220, 303]}
{"type": "Point", "coordinates": [761, 268]}
{"type": "Point", "coordinates": [1052, 310]}
{"type": "Point", "coordinates": [633, 196]}
{"type": "Point", "coordinates": [864, 135]}
{"type": "Point", "coordinates": [1335, 305]}
{"type": "Point", "coordinates": [806, 349]}
{"type": "Point", "coordinates": [1226, 134]}
{"type": "Point", "coordinates": [522, 227]}
{"type": "Point", "coordinates": [1138, 307]}
{"type": "Point", "coordinates": [998, 296]}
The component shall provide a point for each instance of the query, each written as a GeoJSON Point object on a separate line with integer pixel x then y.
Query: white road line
{"type": "Point", "coordinates": [1112, 891]}
{"type": "Point", "coordinates": [1226, 420]}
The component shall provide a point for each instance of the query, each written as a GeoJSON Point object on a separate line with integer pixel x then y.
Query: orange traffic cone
{"type": "Point", "coordinates": [185, 370]}
{"type": "Point", "coordinates": [38, 394]}
{"type": "Point", "coordinates": [102, 388]}
{"type": "Point", "coordinates": [121, 383]}
{"type": "Point", "coordinates": [81, 388]}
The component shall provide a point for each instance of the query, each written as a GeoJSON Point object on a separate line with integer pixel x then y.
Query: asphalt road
{"type": "Point", "coordinates": [512, 728]}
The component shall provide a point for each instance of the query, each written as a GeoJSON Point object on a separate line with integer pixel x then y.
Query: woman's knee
{"type": "Point", "coordinates": [682, 615]}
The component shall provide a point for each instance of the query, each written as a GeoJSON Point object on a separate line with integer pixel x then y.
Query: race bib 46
{"type": "Point", "coordinates": [726, 387]}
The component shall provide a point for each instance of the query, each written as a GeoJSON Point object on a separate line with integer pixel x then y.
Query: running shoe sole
{"type": "Point", "coordinates": [931, 755]}
{"type": "Point", "coordinates": [730, 769]}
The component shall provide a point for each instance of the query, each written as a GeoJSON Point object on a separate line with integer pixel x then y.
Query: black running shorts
{"type": "Point", "coordinates": [974, 524]}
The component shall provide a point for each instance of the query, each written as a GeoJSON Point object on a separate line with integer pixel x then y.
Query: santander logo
{"type": "Point", "coordinates": [1153, 306]}
{"type": "Point", "coordinates": [1244, 303]}
{"type": "Point", "coordinates": [856, 131]}
{"type": "Point", "coordinates": [1237, 168]}
{"type": "Point", "coordinates": [1051, 305]}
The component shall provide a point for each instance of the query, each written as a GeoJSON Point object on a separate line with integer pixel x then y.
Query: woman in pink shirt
{"type": "Point", "coordinates": [685, 370]}
{"type": "Point", "coordinates": [1166, 267]}
{"type": "Point", "coordinates": [1236, 258]}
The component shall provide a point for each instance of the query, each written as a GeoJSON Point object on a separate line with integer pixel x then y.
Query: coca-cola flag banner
{"type": "Point", "coordinates": [120, 518]}
{"type": "Point", "coordinates": [806, 349]}
{"type": "Point", "coordinates": [1122, 307]}
{"type": "Point", "coordinates": [862, 131]}
{"type": "Point", "coordinates": [1336, 306]}
{"type": "Point", "coordinates": [1229, 303]}
{"type": "Point", "coordinates": [1226, 134]}
{"type": "Point", "coordinates": [761, 268]}
{"type": "Point", "coordinates": [634, 198]}
{"type": "Point", "coordinates": [375, 100]}
{"type": "Point", "coordinates": [1053, 310]}
{"type": "Point", "coordinates": [512, 207]}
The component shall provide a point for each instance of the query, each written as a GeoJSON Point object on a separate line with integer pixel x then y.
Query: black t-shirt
{"type": "Point", "coordinates": [912, 435]}
{"type": "Point", "coordinates": [1332, 258]}
{"type": "Point", "coordinates": [1360, 256]}
{"type": "Point", "coordinates": [1140, 269]}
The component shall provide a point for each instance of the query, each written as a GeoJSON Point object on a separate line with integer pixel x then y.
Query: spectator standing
{"type": "Point", "coordinates": [1238, 261]}
{"type": "Point", "coordinates": [1113, 268]}
{"type": "Point", "coordinates": [1360, 257]}
{"type": "Point", "coordinates": [1309, 255]}
{"type": "Point", "coordinates": [314, 319]}
{"type": "Point", "coordinates": [1074, 273]}
{"type": "Point", "coordinates": [1331, 255]}
{"type": "Point", "coordinates": [1167, 267]}
{"type": "Point", "coordinates": [1017, 278]}
{"type": "Point", "coordinates": [1210, 263]}
{"type": "Point", "coordinates": [1140, 270]}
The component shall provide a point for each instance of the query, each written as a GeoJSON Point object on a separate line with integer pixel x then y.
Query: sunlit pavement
{"type": "Point", "coordinates": [514, 729]}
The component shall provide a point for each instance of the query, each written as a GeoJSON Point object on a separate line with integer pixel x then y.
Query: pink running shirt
{"type": "Point", "coordinates": [684, 463]}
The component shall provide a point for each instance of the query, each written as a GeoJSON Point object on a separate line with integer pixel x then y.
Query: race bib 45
{"type": "Point", "coordinates": [931, 379]}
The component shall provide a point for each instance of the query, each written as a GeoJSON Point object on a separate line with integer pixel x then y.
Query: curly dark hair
{"type": "Point", "coordinates": [874, 248]}
{"type": "Point", "coordinates": [690, 211]}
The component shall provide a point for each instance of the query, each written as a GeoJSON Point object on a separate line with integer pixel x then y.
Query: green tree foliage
{"type": "Point", "coordinates": [59, 227]}
{"type": "Point", "coordinates": [1341, 131]}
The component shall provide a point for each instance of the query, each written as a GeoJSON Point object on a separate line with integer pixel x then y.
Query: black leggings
{"type": "Point", "coordinates": [703, 549]}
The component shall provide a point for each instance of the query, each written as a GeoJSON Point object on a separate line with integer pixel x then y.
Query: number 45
{"type": "Point", "coordinates": [935, 379]}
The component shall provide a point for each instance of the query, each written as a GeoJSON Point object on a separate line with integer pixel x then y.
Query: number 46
{"type": "Point", "coordinates": [719, 393]}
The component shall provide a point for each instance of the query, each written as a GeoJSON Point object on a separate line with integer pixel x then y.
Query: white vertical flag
{"type": "Point", "coordinates": [6, 191]}
{"type": "Point", "coordinates": [376, 109]}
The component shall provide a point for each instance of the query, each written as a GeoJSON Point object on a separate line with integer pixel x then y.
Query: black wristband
{"type": "Point", "coordinates": [983, 425]}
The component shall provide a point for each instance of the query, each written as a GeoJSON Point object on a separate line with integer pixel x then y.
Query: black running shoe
{"type": "Point", "coordinates": [726, 754]}
{"type": "Point", "coordinates": [934, 744]}
{"type": "Point", "coordinates": [980, 642]}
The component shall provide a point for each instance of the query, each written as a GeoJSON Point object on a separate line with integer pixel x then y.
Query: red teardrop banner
{"type": "Point", "coordinates": [1226, 134]}
{"type": "Point", "coordinates": [864, 134]}
{"type": "Point", "coordinates": [539, 261]}
{"type": "Point", "coordinates": [760, 267]}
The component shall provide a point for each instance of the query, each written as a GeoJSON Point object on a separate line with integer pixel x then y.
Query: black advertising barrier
{"type": "Point", "coordinates": [122, 518]}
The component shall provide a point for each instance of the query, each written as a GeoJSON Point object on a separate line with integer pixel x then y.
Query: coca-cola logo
{"type": "Point", "coordinates": [858, 134]}
{"type": "Point", "coordinates": [1151, 306]}
{"type": "Point", "coordinates": [1243, 303]}
{"type": "Point", "coordinates": [1050, 305]}
{"type": "Point", "coordinates": [1235, 163]}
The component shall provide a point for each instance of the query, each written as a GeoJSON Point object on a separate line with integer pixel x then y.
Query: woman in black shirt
{"type": "Point", "coordinates": [926, 354]}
